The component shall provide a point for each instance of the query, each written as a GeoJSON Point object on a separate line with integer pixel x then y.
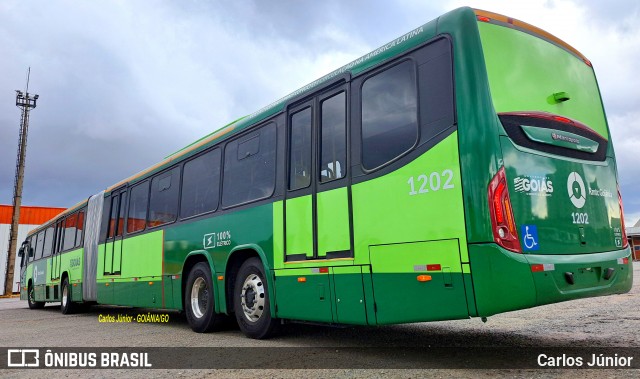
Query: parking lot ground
{"type": "Point", "coordinates": [610, 321]}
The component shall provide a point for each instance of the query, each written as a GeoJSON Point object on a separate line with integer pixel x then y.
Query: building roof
{"type": "Point", "coordinates": [29, 215]}
{"type": "Point", "coordinates": [633, 231]}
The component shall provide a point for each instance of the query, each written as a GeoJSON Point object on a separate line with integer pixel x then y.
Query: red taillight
{"type": "Point", "coordinates": [625, 243]}
{"type": "Point", "coordinates": [484, 19]}
{"type": "Point", "coordinates": [562, 119]}
{"type": "Point", "coordinates": [502, 222]}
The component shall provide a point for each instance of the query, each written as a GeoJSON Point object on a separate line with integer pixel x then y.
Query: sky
{"type": "Point", "coordinates": [122, 84]}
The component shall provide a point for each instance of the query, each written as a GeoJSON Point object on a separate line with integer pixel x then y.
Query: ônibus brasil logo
{"type": "Point", "coordinates": [533, 185]}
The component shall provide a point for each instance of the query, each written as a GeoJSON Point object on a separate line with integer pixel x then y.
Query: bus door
{"type": "Point", "coordinates": [317, 216]}
{"type": "Point", "coordinates": [57, 247]}
{"type": "Point", "coordinates": [113, 246]}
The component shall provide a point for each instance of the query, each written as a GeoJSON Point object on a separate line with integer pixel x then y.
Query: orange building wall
{"type": "Point", "coordinates": [29, 215]}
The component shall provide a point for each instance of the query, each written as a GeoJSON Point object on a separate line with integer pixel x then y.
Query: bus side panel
{"type": "Point", "coordinates": [410, 223]}
{"type": "Point", "coordinates": [40, 273]}
{"type": "Point", "coordinates": [71, 264]}
{"type": "Point", "coordinates": [104, 284]}
{"type": "Point", "coordinates": [217, 236]}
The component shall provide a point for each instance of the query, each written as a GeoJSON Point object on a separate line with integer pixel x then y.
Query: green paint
{"type": "Point", "coordinates": [396, 269]}
{"type": "Point", "coordinates": [524, 70]}
{"type": "Point", "coordinates": [308, 300]}
{"type": "Point", "coordinates": [558, 138]}
{"type": "Point", "coordinates": [250, 230]}
{"type": "Point", "coordinates": [142, 255]}
{"type": "Point", "coordinates": [278, 235]}
{"type": "Point", "coordinates": [499, 274]}
{"type": "Point", "coordinates": [349, 295]}
{"type": "Point", "coordinates": [333, 221]}
{"type": "Point", "coordinates": [299, 218]}
{"type": "Point", "coordinates": [404, 257]}
{"type": "Point", "coordinates": [385, 211]}
{"type": "Point", "coordinates": [557, 218]}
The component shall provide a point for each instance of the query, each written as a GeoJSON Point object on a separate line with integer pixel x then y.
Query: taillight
{"type": "Point", "coordinates": [502, 222]}
{"type": "Point", "coordinates": [625, 243]}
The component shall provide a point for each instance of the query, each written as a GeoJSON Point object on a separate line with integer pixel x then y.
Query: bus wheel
{"type": "Point", "coordinates": [251, 301]}
{"type": "Point", "coordinates": [67, 306]}
{"type": "Point", "coordinates": [198, 295]}
{"type": "Point", "coordinates": [31, 299]}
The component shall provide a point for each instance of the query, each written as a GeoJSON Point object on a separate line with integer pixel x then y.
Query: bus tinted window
{"type": "Point", "coordinates": [113, 220]}
{"type": "Point", "coordinates": [48, 242]}
{"type": "Point", "coordinates": [250, 176]}
{"type": "Point", "coordinates": [333, 134]}
{"type": "Point", "coordinates": [121, 216]}
{"type": "Point", "coordinates": [300, 158]}
{"type": "Point", "coordinates": [80, 228]}
{"type": "Point", "coordinates": [39, 245]}
{"type": "Point", "coordinates": [163, 202]}
{"type": "Point", "coordinates": [389, 115]}
{"type": "Point", "coordinates": [201, 184]}
{"type": "Point", "coordinates": [70, 227]}
{"type": "Point", "coordinates": [137, 217]}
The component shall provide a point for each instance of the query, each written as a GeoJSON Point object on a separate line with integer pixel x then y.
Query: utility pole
{"type": "Point", "coordinates": [25, 102]}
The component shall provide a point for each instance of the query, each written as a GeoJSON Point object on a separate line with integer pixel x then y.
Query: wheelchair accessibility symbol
{"type": "Point", "coordinates": [530, 237]}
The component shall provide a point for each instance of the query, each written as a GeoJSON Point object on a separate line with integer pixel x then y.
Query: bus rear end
{"type": "Point", "coordinates": [555, 208]}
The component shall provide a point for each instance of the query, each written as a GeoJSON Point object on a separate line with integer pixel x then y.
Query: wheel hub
{"type": "Point", "coordinates": [65, 295]}
{"type": "Point", "coordinates": [199, 297]}
{"type": "Point", "coordinates": [252, 298]}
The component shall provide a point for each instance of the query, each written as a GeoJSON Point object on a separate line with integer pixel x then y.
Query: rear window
{"type": "Point", "coordinates": [546, 134]}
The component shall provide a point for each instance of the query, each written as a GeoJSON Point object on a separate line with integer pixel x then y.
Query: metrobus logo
{"type": "Point", "coordinates": [533, 185]}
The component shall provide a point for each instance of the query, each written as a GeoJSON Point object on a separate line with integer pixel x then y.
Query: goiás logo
{"type": "Point", "coordinates": [533, 185]}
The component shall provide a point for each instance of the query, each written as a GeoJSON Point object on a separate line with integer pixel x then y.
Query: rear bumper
{"type": "Point", "coordinates": [504, 281]}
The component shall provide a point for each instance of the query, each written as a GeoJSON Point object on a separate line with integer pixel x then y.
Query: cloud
{"type": "Point", "coordinates": [124, 83]}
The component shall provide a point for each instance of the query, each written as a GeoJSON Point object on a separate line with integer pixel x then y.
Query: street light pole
{"type": "Point", "coordinates": [25, 102]}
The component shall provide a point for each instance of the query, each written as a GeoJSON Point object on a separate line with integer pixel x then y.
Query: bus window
{"type": "Point", "coordinates": [113, 219]}
{"type": "Point", "coordinates": [333, 134]}
{"type": "Point", "coordinates": [121, 216]}
{"type": "Point", "coordinates": [39, 245]}
{"type": "Point", "coordinates": [201, 185]}
{"type": "Point", "coordinates": [70, 228]}
{"type": "Point", "coordinates": [48, 242]}
{"type": "Point", "coordinates": [250, 172]}
{"type": "Point", "coordinates": [163, 203]}
{"type": "Point", "coordinates": [137, 217]}
{"type": "Point", "coordinates": [80, 228]}
{"type": "Point", "coordinates": [300, 158]}
{"type": "Point", "coordinates": [389, 115]}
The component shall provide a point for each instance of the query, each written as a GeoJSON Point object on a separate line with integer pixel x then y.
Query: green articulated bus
{"type": "Point", "coordinates": [461, 170]}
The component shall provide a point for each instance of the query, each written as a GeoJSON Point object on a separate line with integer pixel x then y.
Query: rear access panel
{"type": "Point", "coordinates": [419, 281]}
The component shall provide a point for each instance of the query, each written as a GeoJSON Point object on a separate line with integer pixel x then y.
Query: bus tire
{"type": "Point", "coordinates": [31, 296]}
{"type": "Point", "coordinates": [67, 306]}
{"type": "Point", "coordinates": [199, 303]}
{"type": "Point", "coordinates": [251, 301]}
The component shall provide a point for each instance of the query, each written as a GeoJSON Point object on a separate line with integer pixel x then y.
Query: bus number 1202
{"type": "Point", "coordinates": [435, 181]}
